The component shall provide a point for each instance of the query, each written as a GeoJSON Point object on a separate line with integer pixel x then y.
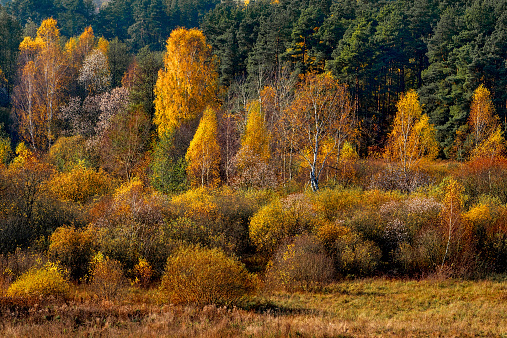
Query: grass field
{"type": "Point", "coordinates": [359, 308]}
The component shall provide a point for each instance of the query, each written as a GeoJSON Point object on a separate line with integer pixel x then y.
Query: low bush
{"type": "Point", "coordinates": [46, 281]}
{"type": "Point", "coordinates": [73, 248]}
{"type": "Point", "coordinates": [81, 184]}
{"type": "Point", "coordinates": [198, 275]}
{"type": "Point", "coordinates": [356, 256]}
{"type": "Point", "coordinates": [301, 265]}
{"type": "Point", "coordinates": [106, 277]}
{"type": "Point", "coordinates": [281, 220]}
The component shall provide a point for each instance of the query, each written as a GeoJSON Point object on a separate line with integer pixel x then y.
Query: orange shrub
{"type": "Point", "coordinates": [81, 184]}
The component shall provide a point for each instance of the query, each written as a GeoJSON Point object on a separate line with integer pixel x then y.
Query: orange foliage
{"type": "Point", "coordinates": [188, 82]}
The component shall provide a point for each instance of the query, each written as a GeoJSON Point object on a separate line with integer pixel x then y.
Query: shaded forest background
{"type": "Point", "coordinates": [379, 48]}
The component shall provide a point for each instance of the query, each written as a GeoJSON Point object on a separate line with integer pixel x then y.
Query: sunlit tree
{"type": "Point", "coordinates": [203, 154]}
{"type": "Point", "coordinates": [187, 84]}
{"type": "Point", "coordinates": [412, 137]}
{"type": "Point", "coordinates": [321, 115]}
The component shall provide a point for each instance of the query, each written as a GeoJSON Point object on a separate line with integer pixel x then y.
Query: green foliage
{"type": "Point", "coordinates": [356, 256]}
{"type": "Point", "coordinates": [46, 281]}
{"type": "Point", "coordinates": [197, 275]}
{"type": "Point", "coordinates": [67, 152]}
{"type": "Point", "coordinates": [168, 173]}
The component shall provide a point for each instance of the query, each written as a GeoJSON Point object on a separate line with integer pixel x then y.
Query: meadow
{"type": "Point", "coordinates": [373, 307]}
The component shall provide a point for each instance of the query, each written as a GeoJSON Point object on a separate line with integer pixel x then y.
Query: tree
{"type": "Point", "coordinates": [482, 120]}
{"type": "Point", "coordinates": [412, 137]}
{"type": "Point", "coordinates": [450, 215]}
{"type": "Point", "coordinates": [252, 159]}
{"type": "Point", "coordinates": [203, 154]}
{"type": "Point", "coordinates": [322, 116]}
{"type": "Point", "coordinates": [94, 74]}
{"type": "Point", "coordinates": [39, 92]}
{"type": "Point", "coordinates": [188, 82]}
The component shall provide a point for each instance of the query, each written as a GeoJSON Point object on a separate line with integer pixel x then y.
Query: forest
{"type": "Point", "coordinates": [241, 161]}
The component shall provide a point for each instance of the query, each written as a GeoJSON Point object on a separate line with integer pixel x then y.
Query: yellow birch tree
{"type": "Point", "coordinates": [412, 137]}
{"type": "Point", "coordinates": [188, 82]}
{"type": "Point", "coordinates": [203, 154]}
{"type": "Point", "coordinates": [39, 93]}
{"type": "Point", "coordinates": [252, 159]}
{"type": "Point", "coordinates": [482, 120]}
{"type": "Point", "coordinates": [487, 134]}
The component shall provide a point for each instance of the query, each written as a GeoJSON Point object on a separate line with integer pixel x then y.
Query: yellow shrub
{"type": "Point", "coordinates": [143, 272]}
{"type": "Point", "coordinates": [41, 282]}
{"type": "Point", "coordinates": [197, 275]}
{"type": "Point", "coordinates": [80, 184]}
{"type": "Point", "coordinates": [73, 248]}
{"type": "Point", "coordinates": [282, 219]}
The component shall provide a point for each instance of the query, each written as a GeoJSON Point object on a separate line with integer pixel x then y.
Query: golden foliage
{"type": "Point", "coordinates": [412, 137]}
{"type": "Point", "coordinates": [197, 275]}
{"type": "Point", "coordinates": [143, 272]}
{"type": "Point", "coordinates": [321, 117]}
{"type": "Point", "coordinates": [492, 147]}
{"type": "Point", "coordinates": [39, 93]}
{"type": "Point", "coordinates": [454, 228]}
{"type": "Point", "coordinates": [188, 82]}
{"type": "Point", "coordinates": [280, 220]}
{"type": "Point", "coordinates": [482, 120]}
{"type": "Point", "coordinates": [106, 276]}
{"type": "Point", "coordinates": [46, 281]}
{"type": "Point", "coordinates": [73, 248]}
{"type": "Point", "coordinates": [81, 184]}
{"type": "Point", "coordinates": [203, 154]}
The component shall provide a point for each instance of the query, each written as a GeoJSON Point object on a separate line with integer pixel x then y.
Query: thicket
{"type": "Point", "coordinates": [322, 146]}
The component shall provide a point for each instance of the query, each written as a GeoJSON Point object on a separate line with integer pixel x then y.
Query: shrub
{"type": "Point", "coordinates": [356, 256]}
{"type": "Point", "coordinates": [73, 248]}
{"type": "Point", "coordinates": [81, 184]}
{"type": "Point", "coordinates": [46, 281]}
{"type": "Point", "coordinates": [131, 225]}
{"type": "Point", "coordinates": [67, 152]}
{"type": "Point", "coordinates": [280, 220]}
{"type": "Point", "coordinates": [197, 275]}
{"type": "Point", "coordinates": [214, 218]}
{"type": "Point", "coordinates": [106, 276]}
{"type": "Point", "coordinates": [300, 265]}
{"type": "Point", "coordinates": [143, 272]}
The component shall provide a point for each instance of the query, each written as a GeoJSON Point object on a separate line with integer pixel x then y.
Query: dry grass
{"type": "Point", "coordinates": [361, 308]}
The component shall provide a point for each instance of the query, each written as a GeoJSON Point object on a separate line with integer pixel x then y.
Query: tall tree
{"type": "Point", "coordinates": [322, 115]}
{"type": "Point", "coordinates": [203, 154]}
{"type": "Point", "coordinates": [252, 159]}
{"type": "Point", "coordinates": [188, 82]}
{"type": "Point", "coordinates": [39, 93]}
{"type": "Point", "coordinates": [412, 137]}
